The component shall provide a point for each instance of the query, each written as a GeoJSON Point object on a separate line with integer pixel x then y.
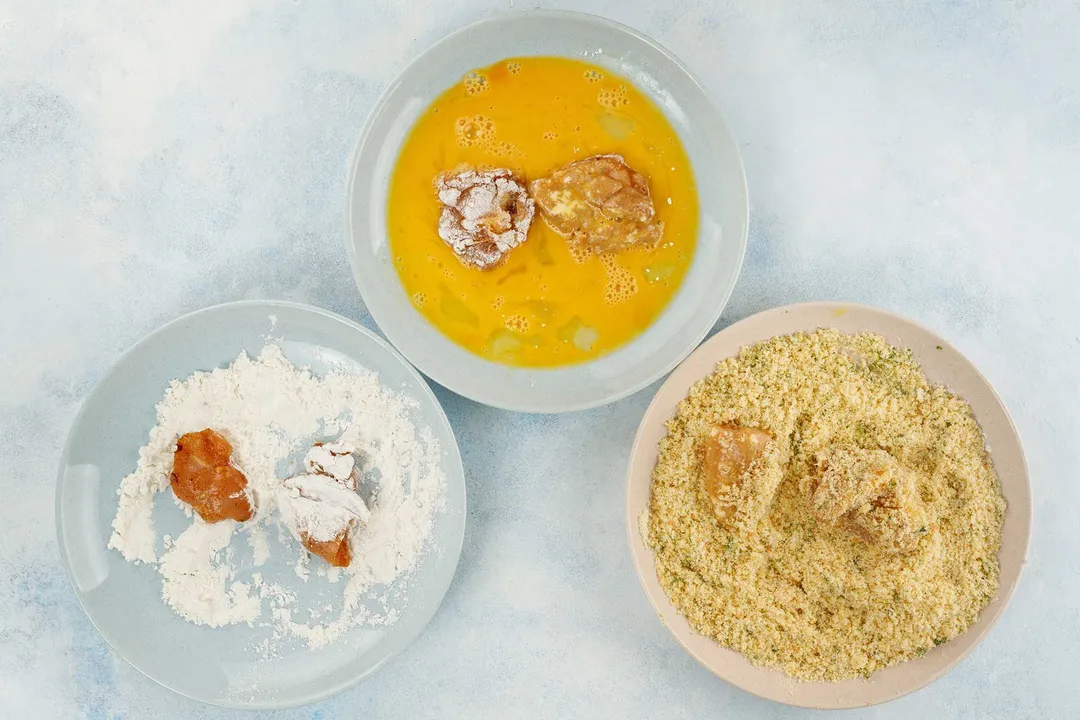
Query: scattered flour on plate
{"type": "Point", "coordinates": [197, 587]}
{"type": "Point", "coordinates": [270, 411]}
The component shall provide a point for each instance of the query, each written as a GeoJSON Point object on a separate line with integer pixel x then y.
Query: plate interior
{"type": "Point", "coordinates": [942, 364]}
{"type": "Point", "coordinates": [123, 600]}
{"type": "Point", "coordinates": [718, 172]}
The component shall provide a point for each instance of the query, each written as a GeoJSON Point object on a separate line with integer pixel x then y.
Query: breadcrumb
{"type": "Point", "coordinates": [901, 553]}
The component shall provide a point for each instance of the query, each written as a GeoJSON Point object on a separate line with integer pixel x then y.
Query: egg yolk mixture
{"type": "Point", "coordinates": [549, 303]}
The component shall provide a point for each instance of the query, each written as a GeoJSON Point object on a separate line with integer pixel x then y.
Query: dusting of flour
{"type": "Point", "coordinates": [270, 410]}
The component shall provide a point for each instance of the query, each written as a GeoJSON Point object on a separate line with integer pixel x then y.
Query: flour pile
{"type": "Point", "coordinates": [271, 411]}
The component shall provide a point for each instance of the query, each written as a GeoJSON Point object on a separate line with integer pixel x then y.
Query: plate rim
{"type": "Point", "coordinates": [58, 515]}
{"type": "Point", "coordinates": [536, 405]}
{"type": "Point", "coordinates": [643, 558]}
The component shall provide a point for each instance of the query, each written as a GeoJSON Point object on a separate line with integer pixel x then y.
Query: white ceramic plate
{"type": "Point", "coordinates": [123, 600]}
{"type": "Point", "coordinates": [942, 364]}
{"type": "Point", "coordinates": [718, 172]}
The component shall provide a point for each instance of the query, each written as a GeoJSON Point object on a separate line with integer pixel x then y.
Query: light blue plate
{"type": "Point", "coordinates": [123, 600]}
{"type": "Point", "coordinates": [718, 172]}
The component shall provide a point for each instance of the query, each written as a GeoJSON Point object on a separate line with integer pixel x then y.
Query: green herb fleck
{"type": "Point", "coordinates": [861, 430]}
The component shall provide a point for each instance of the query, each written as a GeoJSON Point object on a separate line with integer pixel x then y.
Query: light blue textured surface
{"type": "Point", "coordinates": [159, 157]}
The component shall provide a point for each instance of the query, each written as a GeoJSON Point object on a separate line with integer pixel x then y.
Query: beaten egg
{"type": "Point", "coordinates": [549, 303]}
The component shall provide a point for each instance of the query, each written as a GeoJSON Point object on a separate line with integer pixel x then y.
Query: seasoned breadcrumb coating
{"type": "Point", "coordinates": [880, 534]}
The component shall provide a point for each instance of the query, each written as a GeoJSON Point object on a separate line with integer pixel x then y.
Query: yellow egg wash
{"type": "Point", "coordinates": [548, 304]}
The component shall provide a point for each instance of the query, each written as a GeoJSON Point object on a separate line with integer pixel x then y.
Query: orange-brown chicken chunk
{"type": "Point", "coordinates": [336, 551]}
{"type": "Point", "coordinates": [599, 203]}
{"type": "Point", "coordinates": [322, 508]}
{"type": "Point", "coordinates": [730, 452]}
{"type": "Point", "coordinates": [203, 478]}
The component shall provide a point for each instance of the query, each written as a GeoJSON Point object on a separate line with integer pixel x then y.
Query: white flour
{"type": "Point", "coordinates": [271, 411]}
{"type": "Point", "coordinates": [197, 585]}
{"type": "Point", "coordinates": [319, 507]}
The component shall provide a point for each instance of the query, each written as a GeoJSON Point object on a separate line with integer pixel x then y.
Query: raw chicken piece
{"type": "Point", "coordinates": [334, 459]}
{"type": "Point", "coordinates": [203, 478]}
{"type": "Point", "coordinates": [730, 455]}
{"type": "Point", "coordinates": [321, 508]}
{"type": "Point", "coordinates": [485, 215]}
{"type": "Point", "coordinates": [600, 204]}
{"type": "Point", "coordinates": [319, 511]}
{"type": "Point", "coordinates": [336, 552]}
{"type": "Point", "coordinates": [871, 495]}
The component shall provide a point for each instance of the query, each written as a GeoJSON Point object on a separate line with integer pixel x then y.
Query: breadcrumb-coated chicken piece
{"type": "Point", "coordinates": [730, 455]}
{"type": "Point", "coordinates": [849, 478]}
{"type": "Point", "coordinates": [874, 497]}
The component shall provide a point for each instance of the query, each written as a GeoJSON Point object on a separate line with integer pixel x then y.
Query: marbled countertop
{"type": "Point", "coordinates": [157, 157]}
